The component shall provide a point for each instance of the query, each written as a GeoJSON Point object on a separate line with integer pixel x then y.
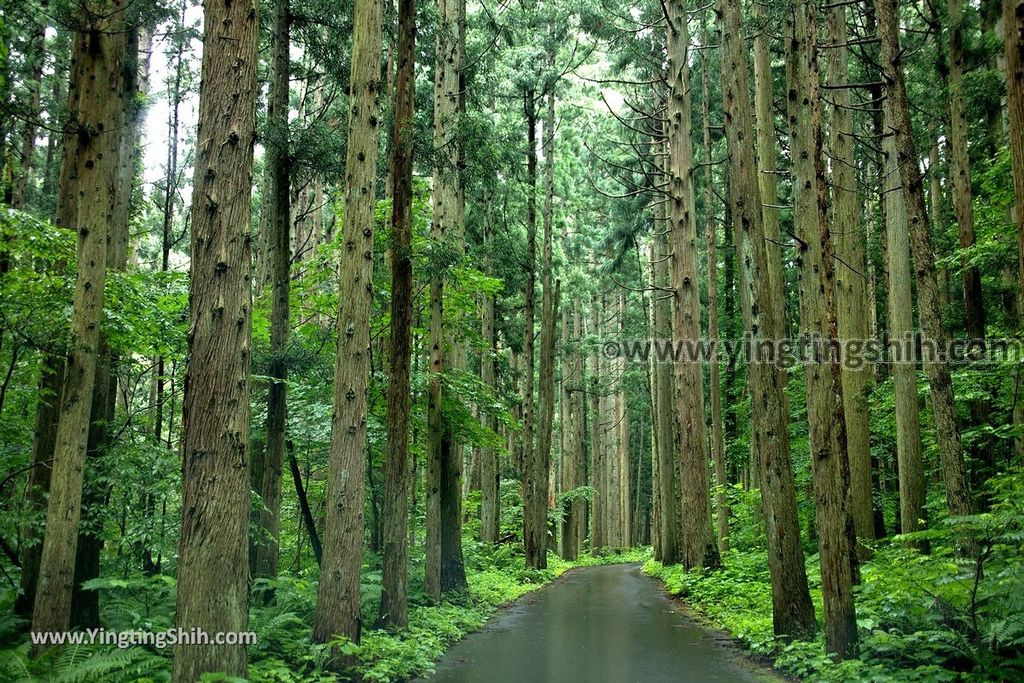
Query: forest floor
{"type": "Point", "coordinates": [608, 623]}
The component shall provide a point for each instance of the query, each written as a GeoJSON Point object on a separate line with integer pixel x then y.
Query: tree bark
{"type": "Point", "coordinates": [792, 610]}
{"type": "Point", "coordinates": [277, 205]}
{"type": "Point", "coordinates": [549, 313]}
{"type": "Point", "coordinates": [622, 437]}
{"type": "Point", "coordinates": [710, 237]}
{"type": "Point", "coordinates": [768, 178]}
{"type": "Point", "coordinates": [490, 471]}
{"type": "Point", "coordinates": [597, 464]}
{"type": "Point", "coordinates": [394, 594]}
{"type": "Point", "coordinates": [851, 276]}
{"type": "Point", "coordinates": [444, 568]}
{"type": "Point", "coordinates": [901, 328]}
{"type": "Point", "coordinates": [823, 376]}
{"type": "Point", "coordinates": [1013, 42]}
{"type": "Point", "coordinates": [531, 485]}
{"type": "Point", "coordinates": [572, 451]}
{"type": "Point", "coordinates": [338, 611]}
{"type": "Point", "coordinates": [665, 415]}
{"type": "Point", "coordinates": [95, 99]}
{"type": "Point", "coordinates": [897, 105]}
{"type": "Point", "coordinates": [697, 547]}
{"type": "Point", "coordinates": [960, 172]}
{"type": "Point", "coordinates": [215, 476]}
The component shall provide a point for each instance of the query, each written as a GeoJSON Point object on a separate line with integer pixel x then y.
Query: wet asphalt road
{"type": "Point", "coordinates": [597, 624]}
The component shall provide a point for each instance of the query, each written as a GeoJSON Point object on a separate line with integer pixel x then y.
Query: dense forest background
{"type": "Point", "coordinates": [345, 322]}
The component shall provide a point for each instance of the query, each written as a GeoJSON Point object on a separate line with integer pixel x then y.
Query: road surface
{"type": "Point", "coordinates": [599, 624]}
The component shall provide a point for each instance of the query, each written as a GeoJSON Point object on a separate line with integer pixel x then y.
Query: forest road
{"type": "Point", "coordinates": [598, 624]}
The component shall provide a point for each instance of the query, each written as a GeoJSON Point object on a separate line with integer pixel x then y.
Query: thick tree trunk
{"type": "Point", "coordinates": [710, 237]}
{"type": "Point", "coordinates": [85, 605]}
{"type": "Point", "coordinates": [792, 610]}
{"type": "Point", "coordinates": [51, 381]}
{"type": "Point", "coordinates": [697, 548]}
{"type": "Point", "coordinates": [215, 476]}
{"type": "Point", "coordinates": [490, 471]}
{"type": "Point", "coordinates": [612, 508]}
{"type": "Point", "coordinates": [444, 569]}
{"type": "Point", "coordinates": [622, 437]}
{"type": "Point", "coordinates": [573, 472]}
{"type": "Point", "coordinates": [817, 290]}
{"type": "Point", "coordinates": [1013, 41]}
{"type": "Point", "coordinates": [531, 487]}
{"type": "Point", "coordinates": [394, 594]}
{"type": "Point", "coordinates": [277, 206]}
{"type": "Point", "coordinates": [95, 100]}
{"type": "Point", "coordinates": [901, 328]}
{"type": "Point", "coordinates": [958, 496]}
{"type": "Point", "coordinates": [960, 172]}
{"type": "Point", "coordinates": [768, 177]}
{"type": "Point", "coordinates": [664, 411]}
{"type": "Point", "coordinates": [541, 469]}
{"type": "Point", "coordinates": [337, 602]}
{"type": "Point", "coordinates": [597, 464]}
{"type": "Point", "coordinates": [851, 275]}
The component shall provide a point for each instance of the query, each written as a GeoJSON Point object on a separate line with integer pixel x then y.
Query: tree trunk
{"type": "Point", "coordinates": [664, 411]}
{"type": "Point", "coordinates": [532, 540]}
{"type": "Point", "coordinates": [305, 511]}
{"type": "Point", "coordinates": [909, 460]}
{"type": "Point", "coordinates": [597, 479]}
{"type": "Point", "coordinates": [851, 276]}
{"type": "Point", "coordinates": [822, 377]}
{"type": "Point", "coordinates": [622, 437]}
{"type": "Point", "coordinates": [710, 236]}
{"type": "Point", "coordinates": [572, 452]}
{"type": "Point", "coordinates": [490, 471]}
{"type": "Point", "coordinates": [958, 497]}
{"type": "Point", "coordinates": [444, 568]}
{"type": "Point", "coordinates": [277, 206]}
{"type": "Point", "coordinates": [85, 605]}
{"type": "Point", "coordinates": [394, 594]}
{"type": "Point", "coordinates": [792, 610]}
{"type": "Point", "coordinates": [1013, 40]}
{"type": "Point", "coordinates": [697, 548]}
{"type": "Point", "coordinates": [960, 172]}
{"type": "Point", "coordinates": [768, 178]}
{"type": "Point", "coordinates": [337, 601]}
{"type": "Point", "coordinates": [541, 468]}
{"type": "Point", "coordinates": [215, 476]}
{"type": "Point", "coordinates": [95, 99]}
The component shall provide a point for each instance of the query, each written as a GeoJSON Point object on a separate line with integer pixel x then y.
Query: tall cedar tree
{"type": "Point", "coordinates": [897, 106]}
{"type": "Point", "coordinates": [549, 312]}
{"type": "Point", "coordinates": [277, 205]}
{"type": "Point", "coordinates": [394, 610]}
{"type": "Point", "coordinates": [337, 601]}
{"type": "Point", "coordinates": [792, 610]}
{"type": "Point", "coordinates": [93, 144]}
{"type": "Point", "coordinates": [444, 568]}
{"type": "Point", "coordinates": [533, 540]}
{"type": "Point", "coordinates": [213, 548]}
{"type": "Point", "coordinates": [817, 293]}
{"type": "Point", "coordinates": [852, 291]}
{"type": "Point", "coordinates": [697, 548]}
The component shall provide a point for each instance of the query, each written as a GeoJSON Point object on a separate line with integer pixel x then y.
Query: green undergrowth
{"type": "Point", "coordinates": [921, 617]}
{"type": "Point", "coordinates": [285, 654]}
